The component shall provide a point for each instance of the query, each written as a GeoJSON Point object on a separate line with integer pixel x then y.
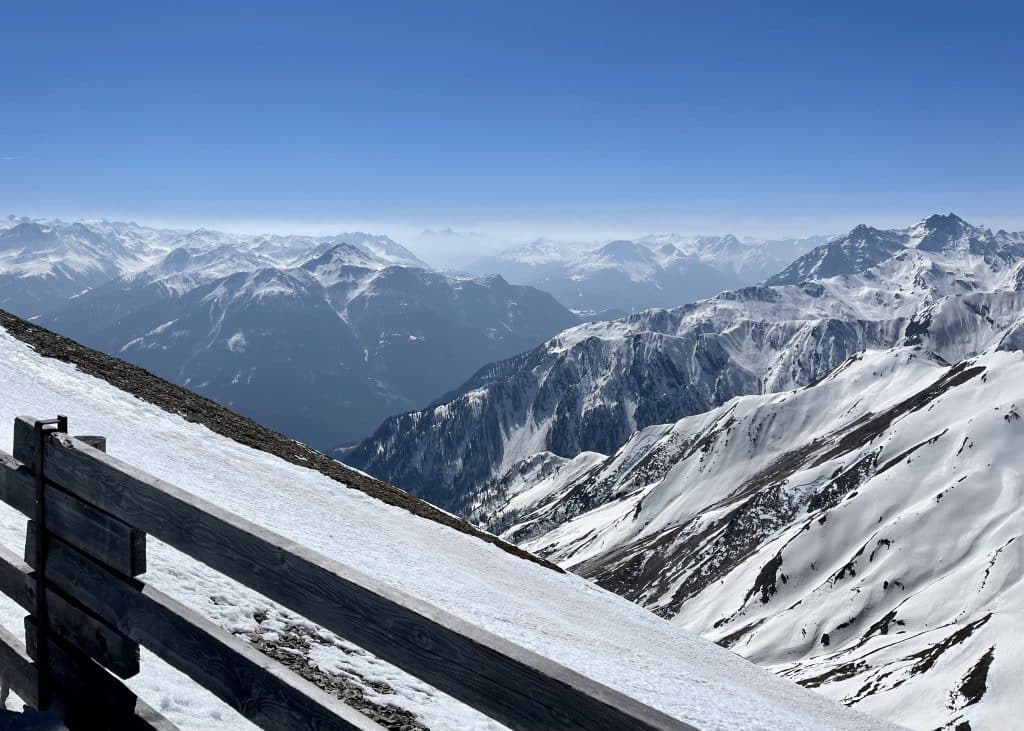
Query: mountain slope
{"type": "Point", "coordinates": [555, 614]}
{"type": "Point", "coordinates": [861, 536]}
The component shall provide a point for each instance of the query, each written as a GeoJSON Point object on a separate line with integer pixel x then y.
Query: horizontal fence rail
{"type": "Point", "coordinates": [89, 697]}
{"type": "Point", "coordinates": [87, 539]}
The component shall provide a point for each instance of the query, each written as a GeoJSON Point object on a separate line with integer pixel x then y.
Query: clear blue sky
{"type": "Point", "coordinates": [620, 116]}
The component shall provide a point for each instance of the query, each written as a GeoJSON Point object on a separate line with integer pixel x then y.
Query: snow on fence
{"type": "Point", "coordinates": [89, 517]}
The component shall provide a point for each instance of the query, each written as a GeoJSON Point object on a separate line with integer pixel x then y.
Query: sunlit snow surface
{"type": "Point", "coordinates": [557, 615]}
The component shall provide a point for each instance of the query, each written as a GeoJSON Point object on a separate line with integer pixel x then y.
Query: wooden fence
{"type": "Point", "coordinates": [86, 544]}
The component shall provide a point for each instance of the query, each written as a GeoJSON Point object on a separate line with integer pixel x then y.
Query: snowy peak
{"type": "Point", "coordinates": [382, 249]}
{"type": "Point", "coordinates": [623, 251]}
{"type": "Point", "coordinates": [952, 234]}
{"type": "Point", "coordinates": [43, 263]}
{"type": "Point", "coordinates": [667, 250]}
{"type": "Point", "coordinates": [248, 287]}
{"type": "Point", "coordinates": [341, 262]}
{"type": "Point", "coordinates": [746, 261]}
{"type": "Point", "coordinates": [38, 248]}
{"type": "Point", "coordinates": [724, 247]}
{"type": "Point", "coordinates": [859, 250]}
{"type": "Point", "coordinates": [628, 276]}
{"type": "Point", "coordinates": [947, 240]}
{"type": "Point", "coordinates": [540, 252]}
{"type": "Point", "coordinates": [203, 238]}
{"type": "Point", "coordinates": [343, 253]}
{"type": "Point", "coordinates": [212, 262]}
{"type": "Point", "coordinates": [940, 233]}
{"type": "Point", "coordinates": [636, 261]}
{"type": "Point", "coordinates": [657, 270]}
{"type": "Point", "coordinates": [27, 237]}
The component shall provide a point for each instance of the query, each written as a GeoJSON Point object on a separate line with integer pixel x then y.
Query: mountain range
{"type": "Point", "coordinates": [817, 472]}
{"type": "Point", "coordinates": [320, 337]}
{"type": "Point", "coordinates": [622, 277]}
{"type": "Point", "coordinates": [590, 387]}
{"type": "Point", "coordinates": [44, 262]}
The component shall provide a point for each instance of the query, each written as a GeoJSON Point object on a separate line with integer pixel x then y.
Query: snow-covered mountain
{"type": "Point", "coordinates": [837, 495]}
{"type": "Point", "coordinates": [323, 351]}
{"type": "Point", "coordinates": [749, 261]}
{"type": "Point", "coordinates": [664, 270]}
{"type": "Point", "coordinates": [866, 247]}
{"type": "Point", "coordinates": [383, 249]}
{"type": "Point", "coordinates": [382, 533]}
{"type": "Point", "coordinates": [626, 276]}
{"type": "Point", "coordinates": [530, 261]}
{"type": "Point", "coordinates": [45, 262]}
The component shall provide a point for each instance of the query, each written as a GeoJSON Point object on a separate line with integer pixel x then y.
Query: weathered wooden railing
{"type": "Point", "coordinates": [86, 543]}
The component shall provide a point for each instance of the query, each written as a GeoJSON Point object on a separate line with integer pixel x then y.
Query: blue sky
{"type": "Point", "coordinates": [514, 119]}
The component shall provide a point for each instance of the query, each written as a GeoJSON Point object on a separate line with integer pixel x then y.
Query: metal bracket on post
{"type": "Point", "coordinates": [43, 428]}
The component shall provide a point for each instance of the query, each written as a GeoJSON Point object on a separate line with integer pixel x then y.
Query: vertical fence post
{"type": "Point", "coordinates": [42, 429]}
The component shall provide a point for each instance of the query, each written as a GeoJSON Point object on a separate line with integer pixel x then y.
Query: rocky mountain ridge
{"type": "Point", "coordinates": [590, 387]}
